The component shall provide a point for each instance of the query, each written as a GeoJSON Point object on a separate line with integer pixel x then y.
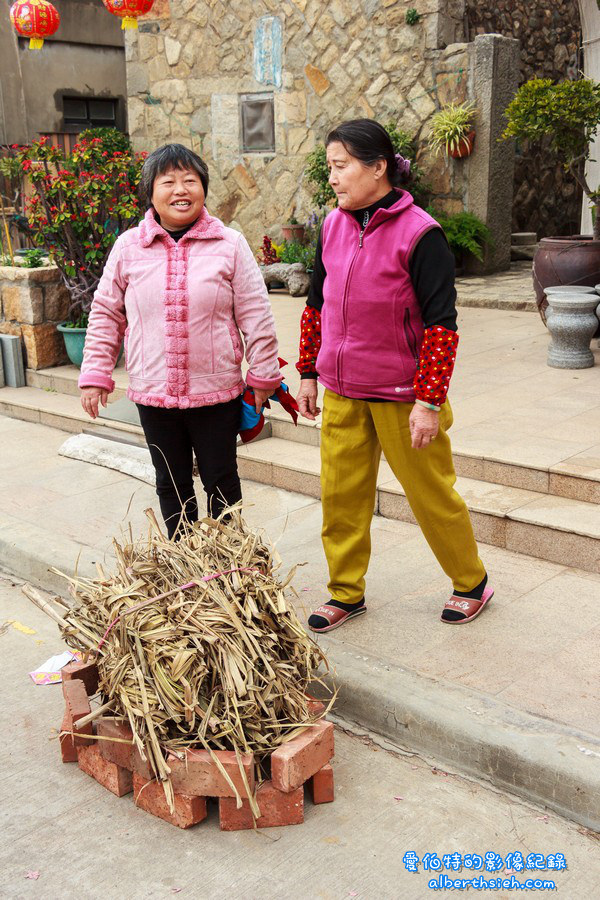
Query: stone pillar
{"type": "Point", "coordinates": [494, 73]}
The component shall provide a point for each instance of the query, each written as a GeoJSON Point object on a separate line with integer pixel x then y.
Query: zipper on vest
{"type": "Point", "coordinates": [411, 337]}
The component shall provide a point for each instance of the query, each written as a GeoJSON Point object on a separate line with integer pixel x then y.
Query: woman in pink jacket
{"type": "Point", "coordinates": [178, 289]}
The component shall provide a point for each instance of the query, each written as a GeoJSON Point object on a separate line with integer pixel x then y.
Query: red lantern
{"type": "Point", "coordinates": [35, 19]}
{"type": "Point", "coordinates": [128, 10]}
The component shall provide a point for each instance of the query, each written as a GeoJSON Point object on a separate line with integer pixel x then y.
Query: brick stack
{"type": "Point", "coordinates": [104, 750]}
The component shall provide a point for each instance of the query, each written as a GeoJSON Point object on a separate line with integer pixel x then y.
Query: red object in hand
{"type": "Point", "coordinates": [128, 10]}
{"type": "Point", "coordinates": [34, 19]}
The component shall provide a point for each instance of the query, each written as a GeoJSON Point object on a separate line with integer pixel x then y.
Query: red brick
{"type": "Point", "coordinates": [111, 776]}
{"type": "Point", "coordinates": [199, 775]}
{"type": "Point", "coordinates": [140, 766]}
{"type": "Point", "coordinates": [68, 750]}
{"type": "Point", "coordinates": [315, 707]}
{"type": "Point", "coordinates": [188, 810]}
{"type": "Point", "coordinates": [115, 751]}
{"type": "Point", "coordinates": [86, 672]}
{"type": "Point", "coordinates": [295, 762]}
{"type": "Point", "coordinates": [77, 705]}
{"type": "Point", "coordinates": [321, 786]}
{"type": "Point", "coordinates": [276, 809]}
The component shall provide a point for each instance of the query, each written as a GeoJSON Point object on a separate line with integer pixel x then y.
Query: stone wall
{"type": "Point", "coordinates": [188, 66]}
{"type": "Point", "coordinates": [32, 302]}
{"type": "Point", "coordinates": [545, 199]}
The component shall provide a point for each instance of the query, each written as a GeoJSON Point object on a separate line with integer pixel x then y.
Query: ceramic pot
{"type": "Point", "coordinates": [572, 322]}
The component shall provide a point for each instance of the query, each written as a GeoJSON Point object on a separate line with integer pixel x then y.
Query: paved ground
{"type": "Point", "coordinates": [524, 650]}
{"type": "Point", "coordinates": [86, 843]}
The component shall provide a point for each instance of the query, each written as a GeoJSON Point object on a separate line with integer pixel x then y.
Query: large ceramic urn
{"type": "Point", "coordinates": [565, 260]}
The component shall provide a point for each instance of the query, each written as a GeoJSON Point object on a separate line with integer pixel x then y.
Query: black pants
{"type": "Point", "coordinates": [174, 436]}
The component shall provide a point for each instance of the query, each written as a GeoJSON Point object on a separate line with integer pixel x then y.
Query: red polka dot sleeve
{"type": "Point", "coordinates": [310, 342]}
{"type": "Point", "coordinates": [436, 363]}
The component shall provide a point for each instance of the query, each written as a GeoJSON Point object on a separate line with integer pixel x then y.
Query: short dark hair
{"type": "Point", "coordinates": [170, 156]}
{"type": "Point", "coordinates": [368, 141]}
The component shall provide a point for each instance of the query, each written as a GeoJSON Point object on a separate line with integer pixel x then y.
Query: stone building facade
{"type": "Point", "coordinates": [546, 199]}
{"type": "Point", "coordinates": [206, 73]}
{"type": "Point", "coordinates": [83, 64]}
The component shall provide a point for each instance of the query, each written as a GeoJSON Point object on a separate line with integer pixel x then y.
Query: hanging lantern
{"type": "Point", "coordinates": [128, 10]}
{"type": "Point", "coordinates": [35, 19]}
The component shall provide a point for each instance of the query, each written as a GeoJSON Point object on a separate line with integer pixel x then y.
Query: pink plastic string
{"type": "Point", "coordinates": [182, 587]}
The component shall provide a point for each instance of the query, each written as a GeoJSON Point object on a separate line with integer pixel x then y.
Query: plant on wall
{"type": "Point", "coordinates": [80, 204]}
{"type": "Point", "coordinates": [567, 115]}
{"type": "Point", "coordinates": [413, 17]}
{"type": "Point", "coordinates": [317, 174]}
{"type": "Point", "coordinates": [451, 129]}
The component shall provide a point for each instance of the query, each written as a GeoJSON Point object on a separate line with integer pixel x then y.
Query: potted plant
{"type": "Point", "coordinates": [452, 130]}
{"type": "Point", "coordinates": [466, 234]}
{"type": "Point", "coordinates": [565, 116]}
{"type": "Point", "coordinates": [79, 206]}
{"type": "Point", "coordinates": [293, 231]}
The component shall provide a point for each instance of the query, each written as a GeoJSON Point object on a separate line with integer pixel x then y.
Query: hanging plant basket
{"type": "Point", "coordinates": [464, 148]}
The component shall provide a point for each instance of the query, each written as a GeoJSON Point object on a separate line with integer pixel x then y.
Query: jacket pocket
{"type": "Point", "coordinates": [238, 349]}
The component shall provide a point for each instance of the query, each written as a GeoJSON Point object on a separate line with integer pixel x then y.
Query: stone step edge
{"type": "Point", "coordinates": [509, 474]}
{"type": "Point", "coordinates": [307, 482]}
{"type": "Point", "coordinates": [535, 758]}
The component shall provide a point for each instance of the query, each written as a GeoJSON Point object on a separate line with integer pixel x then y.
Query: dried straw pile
{"type": "Point", "coordinates": [222, 665]}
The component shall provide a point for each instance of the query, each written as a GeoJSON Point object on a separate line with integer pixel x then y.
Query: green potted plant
{"type": "Point", "coordinates": [452, 130]}
{"type": "Point", "coordinates": [79, 206]}
{"type": "Point", "coordinates": [293, 231]}
{"type": "Point", "coordinates": [466, 234]}
{"type": "Point", "coordinates": [565, 117]}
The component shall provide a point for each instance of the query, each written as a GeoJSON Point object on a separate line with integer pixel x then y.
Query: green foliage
{"type": "Point", "coordinates": [568, 114]}
{"type": "Point", "coordinates": [466, 233]}
{"type": "Point", "coordinates": [34, 258]}
{"type": "Point", "coordinates": [292, 252]}
{"type": "Point", "coordinates": [412, 16]}
{"type": "Point", "coordinates": [80, 322]}
{"type": "Point", "coordinates": [450, 126]}
{"type": "Point", "coordinates": [112, 139]}
{"type": "Point", "coordinates": [80, 205]}
{"type": "Point", "coordinates": [317, 174]}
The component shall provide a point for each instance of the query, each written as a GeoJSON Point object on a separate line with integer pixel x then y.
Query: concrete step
{"type": "Point", "coordinates": [63, 380]}
{"type": "Point", "coordinates": [561, 529]}
{"type": "Point", "coordinates": [556, 529]}
{"type": "Point", "coordinates": [62, 411]}
{"type": "Point", "coordinates": [575, 479]}
{"type": "Point", "coordinates": [54, 401]}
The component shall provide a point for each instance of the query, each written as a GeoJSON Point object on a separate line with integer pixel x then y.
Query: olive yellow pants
{"type": "Point", "coordinates": [353, 434]}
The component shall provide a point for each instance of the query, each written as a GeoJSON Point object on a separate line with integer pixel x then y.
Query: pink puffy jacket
{"type": "Point", "coordinates": [180, 307]}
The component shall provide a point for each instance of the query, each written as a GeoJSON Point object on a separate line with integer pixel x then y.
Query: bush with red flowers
{"type": "Point", "coordinates": [80, 204]}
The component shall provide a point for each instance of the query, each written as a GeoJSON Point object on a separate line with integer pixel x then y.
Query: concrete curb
{"type": "Point", "coordinates": [537, 759]}
{"type": "Point", "coordinates": [541, 760]}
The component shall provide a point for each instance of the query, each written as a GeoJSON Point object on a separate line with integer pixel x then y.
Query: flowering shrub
{"type": "Point", "coordinates": [267, 255]}
{"type": "Point", "coordinates": [80, 205]}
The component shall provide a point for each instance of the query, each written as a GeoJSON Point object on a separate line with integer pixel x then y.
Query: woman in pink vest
{"type": "Point", "coordinates": [178, 289]}
{"type": "Point", "coordinates": [379, 333]}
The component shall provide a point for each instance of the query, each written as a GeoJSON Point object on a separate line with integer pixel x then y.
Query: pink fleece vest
{"type": "Point", "coordinates": [371, 324]}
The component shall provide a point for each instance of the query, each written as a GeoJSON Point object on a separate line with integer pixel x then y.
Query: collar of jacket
{"type": "Point", "coordinates": [205, 227]}
{"type": "Point", "coordinates": [382, 215]}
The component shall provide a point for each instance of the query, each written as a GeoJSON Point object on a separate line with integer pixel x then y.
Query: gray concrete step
{"type": "Point", "coordinates": [557, 529]}
{"type": "Point", "coordinates": [551, 515]}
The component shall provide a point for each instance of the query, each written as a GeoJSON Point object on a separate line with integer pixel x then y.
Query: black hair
{"type": "Point", "coordinates": [368, 141]}
{"type": "Point", "coordinates": [170, 156]}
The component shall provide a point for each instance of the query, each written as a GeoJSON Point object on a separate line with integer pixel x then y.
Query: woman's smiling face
{"type": "Point", "coordinates": [178, 197]}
